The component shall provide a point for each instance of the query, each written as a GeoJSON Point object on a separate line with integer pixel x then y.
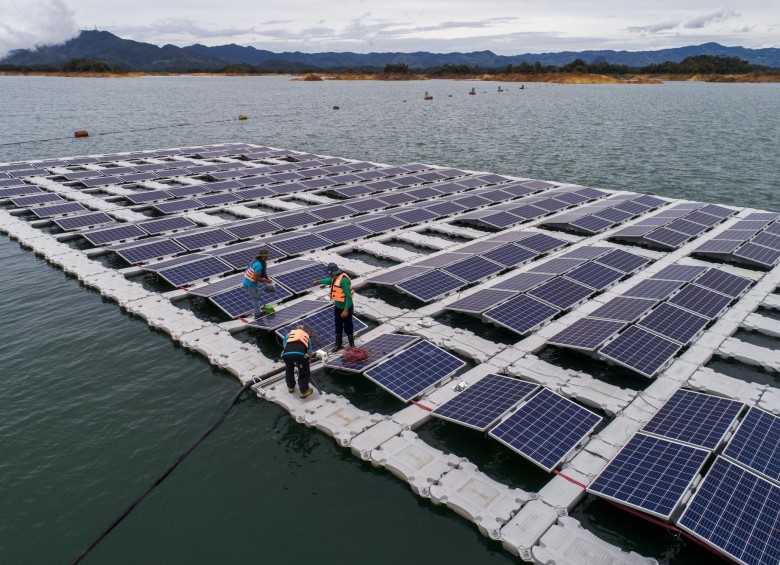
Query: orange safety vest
{"type": "Point", "coordinates": [336, 292]}
{"type": "Point", "coordinates": [251, 274]}
{"type": "Point", "coordinates": [298, 335]}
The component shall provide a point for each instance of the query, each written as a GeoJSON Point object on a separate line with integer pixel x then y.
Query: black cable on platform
{"type": "Point", "coordinates": [162, 477]}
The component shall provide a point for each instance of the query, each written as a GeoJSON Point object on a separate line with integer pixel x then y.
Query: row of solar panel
{"type": "Point", "coordinates": [671, 228]}
{"type": "Point", "coordinates": [649, 324]}
{"type": "Point", "coordinates": [605, 214]}
{"type": "Point", "coordinates": [753, 240]}
{"type": "Point", "coordinates": [736, 507]}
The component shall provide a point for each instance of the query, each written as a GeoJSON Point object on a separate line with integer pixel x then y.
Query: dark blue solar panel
{"type": "Point", "coordinates": [701, 300]}
{"type": "Point", "coordinates": [111, 235]}
{"type": "Point", "coordinates": [675, 323]}
{"type": "Point", "coordinates": [546, 428]}
{"type": "Point", "coordinates": [623, 261]}
{"type": "Point", "coordinates": [592, 224]}
{"type": "Point", "coordinates": [595, 276]}
{"type": "Point", "coordinates": [445, 208]}
{"type": "Point", "coordinates": [587, 334]}
{"type": "Point", "coordinates": [757, 443]}
{"type": "Point", "coordinates": [377, 349]}
{"type": "Point", "coordinates": [521, 314]}
{"type": "Point", "coordinates": [718, 211]}
{"type": "Point", "coordinates": [561, 293]}
{"type": "Point", "coordinates": [509, 255]}
{"type": "Point", "coordinates": [59, 210]}
{"type": "Point", "coordinates": [148, 196]}
{"type": "Point", "coordinates": [623, 309]}
{"type": "Point", "coordinates": [299, 280]}
{"type": "Point", "coordinates": [332, 211]}
{"type": "Point", "coordinates": [766, 239]}
{"type": "Point", "coordinates": [321, 328]}
{"type": "Point", "coordinates": [685, 273]}
{"type": "Point", "coordinates": [523, 281]}
{"type": "Point", "coordinates": [694, 418]}
{"type": "Point", "coordinates": [19, 191]}
{"type": "Point", "coordinates": [148, 251]}
{"type": "Point", "coordinates": [395, 198]}
{"type": "Point", "coordinates": [430, 285]}
{"type": "Point", "coordinates": [718, 247]}
{"type": "Point", "coordinates": [736, 512]}
{"type": "Point", "coordinates": [378, 225]}
{"type": "Point", "coordinates": [189, 190]}
{"type": "Point", "coordinates": [650, 474]}
{"type": "Point", "coordinates": [641, 351]}
{"type": "Point", "coordinates": [557, 266]}
{"type": "Point", "coordinates": [252, 193]}
{"type": "Point", "coordinates": [236, 302]}
{"type": "Point", "coordinates": [45, 198]}
{"type": "Point", "coordinates": [202, 240]}
{"type": "Point", "coordinates": [500, 219]}
{"type": "Point", "coordinates": [154, 227]}
{"type": "Point", "coordinates": [415, 216]}
{"type": "Point", "coordinates": [723, 282]}
{"type": "Point", "coordinates": [667, 238]}
{"type": "Point", "coordinates": [251, 229]}
{"type": "Point", "coordinates": [684, 226]}
{"type": "Point", "coordinates": [484, 402]}
{"type": "Point", "coordinates": [84, 221]}
{"type": "Point", "coordinates": [415, 370]}
{"type": "Point", "coordinates": [344, 233]}
{"type": "Point", "coordinates": [632, 207]}
{"type": "Point", "coordinates": [194, 271]}
{"type": "Point", "coordinates": [227, 283]}
{"type": "Point", "coordinates": [289, 314]}
{"type": "Point", "coordinates": [473, 269]}
{"type": "Point", "coordinates": [652, 288]}
{"type": "Point", "coordinates": [295, 220]}
{"type": "Point", "coordinates": [614, 215]}
{"type": "Point", "coordinates": [758, 254]}
{"type": "Point", "coordinates": [218, 199]}
{"type": "Point", "coordinates": [703, 219]}
{"type": "Point", "coordinates": [301, 244]}
{"type": "Point", "coordinates": [173, 206]}
{"type": "Point", "coordinates": [481, 300]}
{"type": "Point", "coordinates": [541, 243]}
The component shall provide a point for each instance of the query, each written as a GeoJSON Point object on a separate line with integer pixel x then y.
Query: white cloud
{"type": "Point", "coordinates": [711, 18]}
{"type": "Point", "coordinates": [29, 24]}
{"type": "Point", "coordinates": [654, 28]}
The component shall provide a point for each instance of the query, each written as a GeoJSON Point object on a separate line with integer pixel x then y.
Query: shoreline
{"type": "Point", "coordinates": [554, 78]}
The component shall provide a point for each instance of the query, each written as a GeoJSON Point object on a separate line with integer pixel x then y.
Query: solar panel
{"type": "Point", "coordinates": [718, 247]}
{"type": "Point", "coordinates": [251, 229]}
{"type": "Point", "coordinates": [755, 445]}
{"type": "Point", "coordinates": [684, 273]}
{"type": "Point", "coordinates": [289, 314]}
{"type": "Point", "coordinates": [557, 266]}
{"type": "Point", "coordinates": [174, 206]}
{"type": "Point", "coordinates": [484, 402]}
{"type": "Point", "coordinates": [194, 271]}
{"type": "Point", "coordinates": [473, 269]}
{"type": "Point", "coordinates": [236, 302]}
{"type": "Point", "coordinates": [541, 243]}
{"type": "Point", "coordinates": [58, 210]}
{"type": "Point", "coordinates": [632, 207]}
{"type": "Point", "coordinates": [667, 238]}
{"type": "Point", "coordinates": [188, 190]}
{"type": "Point", "coordinates": [154, 227]}
{"type": "Point", "coordinates": [321, 328]}
{"type": "Point", "coordinates": [586, 334]}
{"type": "Point", "coordinates": [595, 275]}
{"type": "Point", "coordinates": [509, 255]}
{"type": "Point", "coordinates": [561, 293]}
{"type": "Point", "coordinates": [623, 309]}
{"type": "Point", "coordinates": [147, 196]}
{"type": "Point", "coordinates": [301, 244]}
{"type": "Point", "coordinates": [441, 260]}
{"type": "Point", "coordinates": [737, 512]}
{"type": "Point", "coordinates": [332, 211]}
{"type": "Point", "coordinates": [758, 254]}
{"type": "Point", "coordinates": [480, 301]}
{"type": "Point", "coordinates": [111, 235]}
{"type": "Point", "coordinates": [45, 198]}
{"type": "Point", "coordinates": [204, 239]}
{"type": "Point", "coordinates": [252, 193]}
{"type": "Point", "coordinates": [652, 288]}
{"type": "Point", "coordinates": [521, 314]}
{"type": "Point", "coordinates": [342, 234]}
{"type": "Point", "coordinates": [227, 283]}
{"type": "Point", "coordinates": [764, 238]}
{"type": "Point", "coordinates": [614, 214]}
{"type": "Point", "coordinates": [650, 474]}
{"type": "Point", "coordinates": [623, 261]}
{"type": "Point", "coordinates": [377, 349]}
{"type": "Point", "coordinates": [694, 418]}
{"type": "Point", "coordinates": [19, 191]}
{"type": "Point", "coordinates": [151, 250]}
{"type": "Point", "coordinates": [296, 220]}
{"type": "Point", "coordinates": [701, 301]}
{"type": "Point", "coordinates": [237, 256]}
{"type": "Point", "coordinates": [83, 221]}
{"type": "Point", "coordinates": [546, 428]}
{"type": "Point", "coordinates": [675, 323]}
{"type": "Point", "coordinates": [415, 370]}
{"type": "Point", "coordinates": [719, 211]}
{"type": "Point", "coordinates": [523, 281]}
{"type": "Point", "coordinates": [398, 275]}
{"type": "Point", "coordinates": [723, 282]}
{"type": "Point", "coordinates": [703, 219]}
{"type": "Point", "coordinates": [218, 199]}
{"type": "Point", "coordinates": [445, 208]}
{"type": "Point", "coordinates": [641, 351]}
{"type": "Point", "coordinates": [300, 280]}
{"type": "Point", "coordinates": [415, 216]}
{"type": "Point", "coordinates": [430, 285]}
{"type": "Point", "coordinates": [688, 228]}
{"type": "Point", "coordinates": [378, 225]}
{"type": "Point", "coordinates": [592, 224]}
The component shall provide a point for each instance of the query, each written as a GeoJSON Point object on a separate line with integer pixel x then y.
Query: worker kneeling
{"type": "Point", "coordinates": [297, 353]}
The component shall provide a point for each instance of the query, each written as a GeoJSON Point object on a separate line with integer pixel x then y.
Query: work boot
{"type": "Point", "coordinates": [307, 393]}
{"type": "Point", "coordinates": [351, 339]}
{"type": "Point", "coordinates": [338, 345]}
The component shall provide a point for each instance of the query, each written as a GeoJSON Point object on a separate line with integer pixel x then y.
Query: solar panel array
{"type": "Point", "coordinates": [605, 214]}
{"type": "Point", "coordinates": [375, 349]}
{"type": "Point", "coordinates": [674, 226]}
{"type": "Point", "coordinates": [756, 444]}
{"type": "Point", "coordinates": [753, 241]}
{"type": "Point", "coordinates": [645, 327]}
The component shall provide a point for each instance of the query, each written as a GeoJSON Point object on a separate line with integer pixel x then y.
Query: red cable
{"type": "Point", "coordinates": [423, 406]}
{"type": "Point", "coordinates": [579, 484]}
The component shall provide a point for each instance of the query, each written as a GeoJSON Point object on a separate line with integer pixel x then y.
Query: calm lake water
{"type": "Point", "coordinates": [95, 404]}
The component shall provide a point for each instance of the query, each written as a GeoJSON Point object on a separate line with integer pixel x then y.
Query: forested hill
{"type": "Point", "coordinates": [136, 56]}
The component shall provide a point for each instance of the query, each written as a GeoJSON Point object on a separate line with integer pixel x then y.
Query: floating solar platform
{"type": "Point", "coordinates": [414, 370]}
{"type": "Point", "coordinates": [736, 512]}
{"type": "Point", "coordinates": [377, 349]}
{"type": "Point", "coordinates": [546, 429]}
{"type": "Point", "coordinates": [650, 474]}
{"type": "Point", "coordinates": [483, 403]}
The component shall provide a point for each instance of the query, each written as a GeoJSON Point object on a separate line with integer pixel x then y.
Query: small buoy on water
{"type": "Point", "coordinates": [243, 117]}
{"type": "Point", "coordinates": [449, 96]}
{"type": "Point", "coordinates": [82, 133]}
{"type": "Point", "coordinates": [335, 107]}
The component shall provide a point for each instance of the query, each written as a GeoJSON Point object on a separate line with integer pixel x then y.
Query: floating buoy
{"type": "Point", "coordinates": [335, 107]}
{"type": "Point", "coordinates": [82, 133]}
{"type": "Point", "coordinates": [243, 117]}
{"type": "Point", "coordinates": [449, 96]}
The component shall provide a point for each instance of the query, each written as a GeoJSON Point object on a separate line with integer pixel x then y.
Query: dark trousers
{"type": "Point", "coordinates": [343, 325]}
{"type": "Point", "coordinates": [304, 371]}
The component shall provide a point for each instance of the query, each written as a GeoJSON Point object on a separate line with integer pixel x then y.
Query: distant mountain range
{"type": "Point", "coordinates": [136, 56]}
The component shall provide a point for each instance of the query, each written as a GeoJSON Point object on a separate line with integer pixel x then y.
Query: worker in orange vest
{"type": "Point", "coordinates": [341, 293]}
{"type": "Point", "coordinates": [297, 353]}
{"type": "Point", "coordinates": [255, 273]}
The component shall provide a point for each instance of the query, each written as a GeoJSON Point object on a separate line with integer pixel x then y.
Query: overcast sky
{"type": "Point", "coordinates": [506, 27]}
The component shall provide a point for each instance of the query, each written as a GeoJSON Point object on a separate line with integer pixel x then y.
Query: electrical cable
{"type": "Point", "coordinates": [122, 515]}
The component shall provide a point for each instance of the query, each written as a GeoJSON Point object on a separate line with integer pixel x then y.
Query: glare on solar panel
{"type": "Point", "coordinates": [546, 428]}
{"type": "Point", "coordinates": [684, 226]}
{"type": "Point", "coordinates": [377, 349]}
{"type": "Point", "coordinates": [650, 474]}
{"type": "Point", "coordinates": [684, 273]}
{"type": "Point", "coordinates": [521, 314]}
{"type": "Point", "coordinates": [226, 283]}
{"type": "Point", "coordinates": [592, 224]}
{"type": "Point", "coordinates": [58, 210]}
{"type": "Point", "coordinates": [756, 442]}
{"type": "Point", "coordinates": [414, 370]}
{"type": "Point", "coordinates": [586, 334]}
{"type": "Point", "coordinates": [641, 351]}
{"type": "Point", "coordinates": [484, 402]}
{"type": "Point", "coordinates": [557, 266]}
